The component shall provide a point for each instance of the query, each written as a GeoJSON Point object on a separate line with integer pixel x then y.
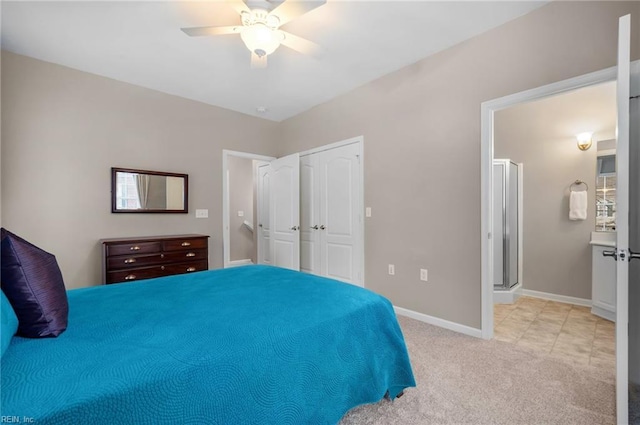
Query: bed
{"type": "Point", "coordinates": [247, 345]}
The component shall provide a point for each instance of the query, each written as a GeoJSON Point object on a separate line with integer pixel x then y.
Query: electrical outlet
{"type": "Point", "coordinates": [240, 213]}
{"type": "Point", "coordinates": [367, 212]}
{"type": "Point", "coordinates": [392, 269]}
{"type": "Point", "coordinates": [424, 275]}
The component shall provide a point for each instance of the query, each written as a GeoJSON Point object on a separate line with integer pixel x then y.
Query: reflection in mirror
{"type": "Point", "coordinates": [148, 191]}
{"type": "Point", "coordinates": [606, 186]}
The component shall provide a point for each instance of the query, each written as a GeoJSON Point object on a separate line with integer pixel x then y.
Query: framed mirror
{"type": "Point", "coordinates": [142, 191]}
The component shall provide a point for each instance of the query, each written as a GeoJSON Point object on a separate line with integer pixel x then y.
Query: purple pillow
{"type": "Point", "coordinates": [32, 282]}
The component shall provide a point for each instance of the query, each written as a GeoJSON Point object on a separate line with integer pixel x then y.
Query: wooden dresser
{"type": "Point", "coordinates": [127, 259]}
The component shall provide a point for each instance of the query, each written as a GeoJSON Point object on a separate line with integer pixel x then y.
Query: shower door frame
{"type": "Point", "coordinates": [506, 227]}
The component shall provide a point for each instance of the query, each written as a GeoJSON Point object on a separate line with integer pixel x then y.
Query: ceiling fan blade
{"type": "Point", "coordinates": [301, 45]}
{"type": "Point", "coordinates": [202, 31]}
{"type": "Point", "coordinates": [292, 9]}
{"type": "Point", "coordinates": [239, 6]}
{"type": "Point", "coordinates": [258, 62]}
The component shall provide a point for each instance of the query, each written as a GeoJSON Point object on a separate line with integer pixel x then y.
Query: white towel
{"type": "Point", "coordinates": [578, 205]}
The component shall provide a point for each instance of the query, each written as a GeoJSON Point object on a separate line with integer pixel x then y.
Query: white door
{"type": "Point", "coordinates": [634, 228]}
{"type": "Point", "coordinates": [262, 211]}
{"type": "Point", "coordinates": [284, 198]}
{"type": "Point", "coordinates": [622, 222]}
{"type": "Point", "coordinates": [309, 214]}
{"type": "Point", "coordinates": [340, 213]}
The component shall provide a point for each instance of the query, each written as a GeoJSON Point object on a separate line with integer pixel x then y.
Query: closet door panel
{"type": "Point", "coordinates": [284, 206]}
{"type": "Point", "coordinates": [340, 262]}
{"type": "Point", "coordinates": [264, 244]}
{"type": "Point", "coordinates": [339, 212]}
{"type": "Point", "coordinates": [309, 214]}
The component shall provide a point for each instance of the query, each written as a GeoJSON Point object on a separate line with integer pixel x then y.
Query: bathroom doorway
{"type": "Point", "coordinates": [240, 206]}
{"type": "Point", "coordinates": [551, 309]}
{"type": "Point", "coordinates": [627, 161]}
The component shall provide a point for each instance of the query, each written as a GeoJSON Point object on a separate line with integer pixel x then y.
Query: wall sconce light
{"type": "Point", "coordinates": [584, 140]}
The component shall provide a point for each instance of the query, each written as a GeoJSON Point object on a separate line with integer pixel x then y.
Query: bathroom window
{"type": "Point", "coordinates": [606, 194]}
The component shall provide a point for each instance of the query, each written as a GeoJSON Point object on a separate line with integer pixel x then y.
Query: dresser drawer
{"type": "Point", "coordinates": [134, 261]}
{"type": "Point", "coordinates": [186, 255]}
{"type": "Point", "coordinates": [180, 244]}
{"type": "Point", "coordinates": [133, 248]}
{"type": "Point", "coordinates": [136, 274]}
{"type": "Point", "coordinates": [196, 266]}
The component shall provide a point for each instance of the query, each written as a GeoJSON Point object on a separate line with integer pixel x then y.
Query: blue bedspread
{"type": "Point", "coordinates": [248, 345]}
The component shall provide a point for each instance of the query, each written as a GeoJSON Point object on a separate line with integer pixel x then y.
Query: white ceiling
{"type": "Point", "coordinates": [141, 43]}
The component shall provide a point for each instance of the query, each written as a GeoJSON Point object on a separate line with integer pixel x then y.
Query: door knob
{"type": "Point", "coordinates": [315, 227]}
{"type": "Point", "coordinates": [294, 227]}
{"type": "Point", "coordinates": [322, 227]}
{"type": "Point", "coordinates": [260, 225]}
{"type": "Point", "coordinates": [633, 255]}
{"type": "Point", "coordinates": [610, 254]}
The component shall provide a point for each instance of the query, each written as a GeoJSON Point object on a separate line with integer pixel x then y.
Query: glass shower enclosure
{"type": "Point", "coordinates": [505, 223]}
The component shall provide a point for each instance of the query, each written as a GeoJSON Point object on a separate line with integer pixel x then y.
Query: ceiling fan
{"type": "Point", "coordinates": [260, 31]}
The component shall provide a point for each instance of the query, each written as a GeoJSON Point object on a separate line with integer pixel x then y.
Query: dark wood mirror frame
{"type": "Point", "coordinates": [154, 209]}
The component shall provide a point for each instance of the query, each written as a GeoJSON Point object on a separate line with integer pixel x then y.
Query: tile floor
{"type": "Point", "coordinates": [561, 330]}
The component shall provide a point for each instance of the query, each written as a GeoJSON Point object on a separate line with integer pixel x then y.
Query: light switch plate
{"type": "Point", "coordinates": [240, 213]}
{"type": "Point", "coordinates": [367, 212]}
{"type": "Point", "coordinates": [424, 275]}
{"type": "Point", "coordinates": [202, 213]}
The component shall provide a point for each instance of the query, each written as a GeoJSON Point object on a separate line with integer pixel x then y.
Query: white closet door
{"type": "Point", "coordinates": [264, 255]}
{"type": "Point", "coordinates": [285, 212]}
{"type": "Point", "coordinates": [340, 213]}
{"type": "Point", "coordinates": [310, 214]}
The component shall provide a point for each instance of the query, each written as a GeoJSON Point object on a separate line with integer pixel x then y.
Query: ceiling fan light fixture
{"type": "Point", "coordinates": [261, 39]}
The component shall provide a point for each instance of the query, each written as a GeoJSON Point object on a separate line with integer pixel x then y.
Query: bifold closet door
{"type": "Point", "coordinates": [339, 213]}
{"type": "Point", "coordinates": [264, 225]}
{"type": "Point", "coordinates": [310, 214]}
{"type": "Point", "coordinates": [284, 213]}
{"type": "Point", "coordinates": [330, 213]}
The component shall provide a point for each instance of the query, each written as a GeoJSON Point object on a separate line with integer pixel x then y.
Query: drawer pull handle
{"type": "Point", "coordinates": [135, 248]}
{"type": "Point", "coordinates": [130, 277]}
{"type": "Point", "coordinates": [191, 269]}
{"type": "Point", "coordinates": [130, 260]}
{"type": "Point", "coordinates": [161, 267]}
{"type": "Point", "coordinates": [186, 244]}
{"type": "Point", "coordinates": [191, 254]}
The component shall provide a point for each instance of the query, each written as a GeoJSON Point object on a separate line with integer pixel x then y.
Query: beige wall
{"type": "Point", "coordinates": [63, 129]}
{"type": "Point", "coordinates": [241, 243]}
{"type": "Point", "coordinates": [421, 128]}
{"type": "Point", "coordinates": [541, 135]}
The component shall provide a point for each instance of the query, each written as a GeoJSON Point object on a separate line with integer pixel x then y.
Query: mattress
{"type": "Point", "coordinates": [246, 345]}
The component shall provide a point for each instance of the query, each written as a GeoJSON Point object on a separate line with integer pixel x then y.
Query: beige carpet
{"type": "Point", "coordinates": [465, 380]}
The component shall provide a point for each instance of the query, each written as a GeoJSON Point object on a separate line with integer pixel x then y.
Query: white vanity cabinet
{"type": "Point", "coordinates": [603, 279]}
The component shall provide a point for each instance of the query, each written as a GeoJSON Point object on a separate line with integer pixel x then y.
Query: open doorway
{"type": "Point", "coordinates": [554, 291]}
{"type": "Point", "coordinates": [239, 209]}
{"type": "Point", "coordinates": [628, 176]}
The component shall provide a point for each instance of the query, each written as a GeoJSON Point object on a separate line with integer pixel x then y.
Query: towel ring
{"type": "Point", "coordinates": [578, 183]}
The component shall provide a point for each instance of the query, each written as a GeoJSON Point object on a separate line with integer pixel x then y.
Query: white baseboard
{"type": "Point", "coordinates": [560, 298]}
{"type": "Point", "coordinates": [507, 296]}
{"type": "Point", "coordinates": [236, 263]}
{"type": "Point", "coordinates": [452, 326]}
{"type": "Point", "coordinates": [604, 312]}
